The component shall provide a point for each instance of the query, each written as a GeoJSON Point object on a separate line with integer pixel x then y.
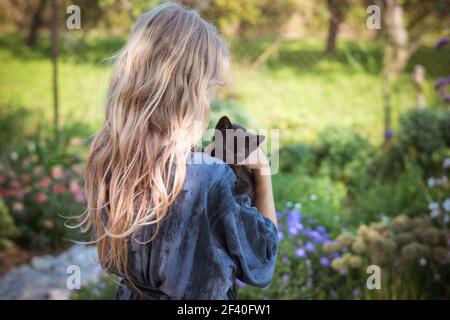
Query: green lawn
{"type": "Point", "coordinates": [298, 90]}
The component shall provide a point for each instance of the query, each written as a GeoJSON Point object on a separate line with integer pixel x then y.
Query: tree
{"type": "Point", "coordinates": [336, 9]}
{"type": "Point", "coordinates": [36, 23]}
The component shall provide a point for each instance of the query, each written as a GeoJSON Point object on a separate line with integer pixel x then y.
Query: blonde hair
{"type": "Point", "coordinates": [137, 163]}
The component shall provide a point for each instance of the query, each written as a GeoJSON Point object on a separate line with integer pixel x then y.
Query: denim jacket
{"type": "Point", "coordinates": [209, 238]}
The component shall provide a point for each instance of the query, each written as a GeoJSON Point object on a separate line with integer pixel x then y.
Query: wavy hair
{"type": "Point", "coordinates": [160, 84]}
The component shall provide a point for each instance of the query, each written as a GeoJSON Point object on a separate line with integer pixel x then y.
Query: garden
{"type": "Point", "coordinates": [364, 150]}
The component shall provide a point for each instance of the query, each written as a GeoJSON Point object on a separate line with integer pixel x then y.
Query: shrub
{"type": "Point", "coordinates": [40, 185]}
{"type": "Point", "coordinates": [303, 268]}
{"type": "Point", "coordinates": [420, 129]}
{"type": "Point", "coordinates": [413, 254]}
{"type": "Point", "coordinates": [294, 156]}
{"type": "Point", "coordinates": [8, 229]}
{"type": "Point", "coordinates": [344, 155]}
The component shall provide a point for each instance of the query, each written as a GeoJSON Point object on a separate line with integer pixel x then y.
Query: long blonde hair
{"type": "Point", "coordinates": [137, 163]}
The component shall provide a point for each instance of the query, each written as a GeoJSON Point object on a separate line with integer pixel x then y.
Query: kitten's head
{"type": "Point", "coordinates": [235, 142]}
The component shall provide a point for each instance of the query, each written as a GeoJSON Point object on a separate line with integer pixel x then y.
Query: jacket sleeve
{"type": "Point", "coordinates": [250, 239]}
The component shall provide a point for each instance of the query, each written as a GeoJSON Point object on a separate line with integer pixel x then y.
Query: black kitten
{"type": "Point", "coordinates": [235, 150]}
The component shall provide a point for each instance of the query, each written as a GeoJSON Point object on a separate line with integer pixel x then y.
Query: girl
{"type": "Point", "coordinates": [165, 219]}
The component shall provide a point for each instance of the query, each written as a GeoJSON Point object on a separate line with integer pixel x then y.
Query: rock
{"type": "Point", "coordinates": [46, 276]}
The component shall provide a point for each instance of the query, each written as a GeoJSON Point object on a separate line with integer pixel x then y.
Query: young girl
{"type": "Point", "coordinates": [164, 219]}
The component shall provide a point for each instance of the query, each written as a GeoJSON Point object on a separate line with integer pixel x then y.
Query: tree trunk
{"type": "Point", "coordinates": [55, 49]}
{"type": "Point", "coordinates": [335, 9]}
{"type": "Point", "coordinates": [36, 23]}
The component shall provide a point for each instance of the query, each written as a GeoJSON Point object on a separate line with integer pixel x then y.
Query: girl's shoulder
{"type": "Point", "coordinates": [208, 171]}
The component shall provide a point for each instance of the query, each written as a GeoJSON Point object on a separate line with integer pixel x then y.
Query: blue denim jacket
{"type": "Point", "coordinates": [209, 238]}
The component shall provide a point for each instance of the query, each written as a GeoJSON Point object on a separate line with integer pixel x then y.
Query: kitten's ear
{"type": "Point", "coordinates": [224, 123]}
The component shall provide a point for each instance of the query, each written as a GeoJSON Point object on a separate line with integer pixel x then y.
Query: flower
{"type": "Point", "coordinates": [446, 204]}
{"type": "Point", "coordinates": [310, 247]}
{"type": "Point", "coordinates": [285, 260]}
{"type": "Point", "coordinates": [388, 134]}
{"type": "Point", "coordinates": [59, 188]}
{"type": "Point", "coordinates": [300, 252]}
{"type": "Point", "coordinates": [423, 262]}
{"type": "Point", "coordinates": [280, 235]}
{"type": "Point", "coordinates": [431, 182]}
{"type": "Point", "coordinates": [41, 198]}
{"type": "Point", "coordinates": [441, 42]}
{"type": "Point", "coordinates": [356, 293]}
{"type": "Point", "coordinates": [285, 278]}
{"type": "Point", "coordinates": [17, 207]}
{"type": "Point", "coordinates": [45, 182]}
{"type": "Point", "coordinates": [79, 196]}
{"type": "Point", "coordinates": [446, 164]}
{"type": "Point", "coordinates": [240, 283]}
{"type": "Point", "coordinates": [324, 261]}
{"type": "Point", "coordinates": [49, 224]}
{"type": "Point", "coordinates": [57, 172]}
{"type": "Point", "coordinates": [433, 206]}
{"type": "Point", "coordinates": [313, 197]}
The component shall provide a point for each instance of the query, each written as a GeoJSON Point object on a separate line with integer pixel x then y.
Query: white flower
{"type": "Point", "coordinates": [446, 205]}
{"type": "Point", "coordinates": [446, 219]}
{"type": "Point", "coordinates": [433, 206]}
{"type": "Point", "coordinates": [423, 262]}
{"type": "Point", "coordinates": [14, 155]}
{"type": "Point", "coordinates": [298, 206]}
{"type": "Point", "coordinates": [313, 197]}
{"type": "Point", "coordinates": [446, 164]}
{"type": "Point", "coordinates": [431, 182]}
{"type": "Point", "coordinates": [435, 213]}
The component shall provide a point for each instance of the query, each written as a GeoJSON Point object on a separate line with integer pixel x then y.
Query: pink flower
{"type": "Point", "coordinates": [38, 170]}
{"type": "Point", "coordinates": [45, 182]}
{"type": "Point", "coordinates": [79, 196]}
{"type": "Point", "coordinates": [57, 172]}
{"type": "Point", "coordinates": [25, 178]}
{"type": "Point", "coordinates": [49, 224]}
{"type": "Point", "coordinates": [59, 188]}
{"type": "Point", "coordinates": [74, 186]}
{"type": "Point", "coordinates": [41, 198]}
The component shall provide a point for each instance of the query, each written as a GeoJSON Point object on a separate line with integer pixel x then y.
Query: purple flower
{"type": "Point", "coordinates": [442, 82]}
{"type": "Point", "coordinates": [388, 134]}
{"type": "Point", "coordinates": [324, 261]}
{"type": "Point", "coordinates": [321, 230]}
{"type": "Point", "coordinates": [300, 252]}
{"type": "Point", "coordinates": [356, 293]}
{"type": "Point", "coordinates": [343, 272]}
{"type": "Point", "coordinates": [240, 283]}
{"type": "Point", "coordinates": [280, 235]}
{"type": "Point", "coordinates": [101, 284]}
{"type": "Point", "coordinates": [294, 224]}
{"type": "Point", "coordinates": [279, 214]}
{"type": "Point", "coordinates": [285, 278]}
{"type": "Point", "coordinates": [441, 42]}
{"type": "Point", "coordinates": [285, 260]}
{"type": "Point", "coordinates": [336, 255]}
{"type": "Point", "coordinates": [310, 247]}
{"type": "Point", "coordinates": [266, 298]}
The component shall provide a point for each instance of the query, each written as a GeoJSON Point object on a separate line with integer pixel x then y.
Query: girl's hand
{"type": "Point", "coordinates": [257, 161]}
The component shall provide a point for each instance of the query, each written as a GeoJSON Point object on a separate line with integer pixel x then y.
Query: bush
{"type": "Point", "coordinates": [413, 255]}
{"type": "Point", "coordinates": [325, 200]}
{"type": "Point", "coordinates": [40, 185]}
{"type": "Point", "coordinates": [344, 155]}
{"type": "Point", "coordinates": [294, 156]}
{"type": "Point", "coordinates": [303, 268]}
{"type": "Point", "coordinates": [8, 229]}
{"type": "Point", "coordinates": [421, 130]}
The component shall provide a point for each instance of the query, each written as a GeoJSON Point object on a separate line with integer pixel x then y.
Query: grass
{"type": "Point", "coordinates": [299, 90]}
